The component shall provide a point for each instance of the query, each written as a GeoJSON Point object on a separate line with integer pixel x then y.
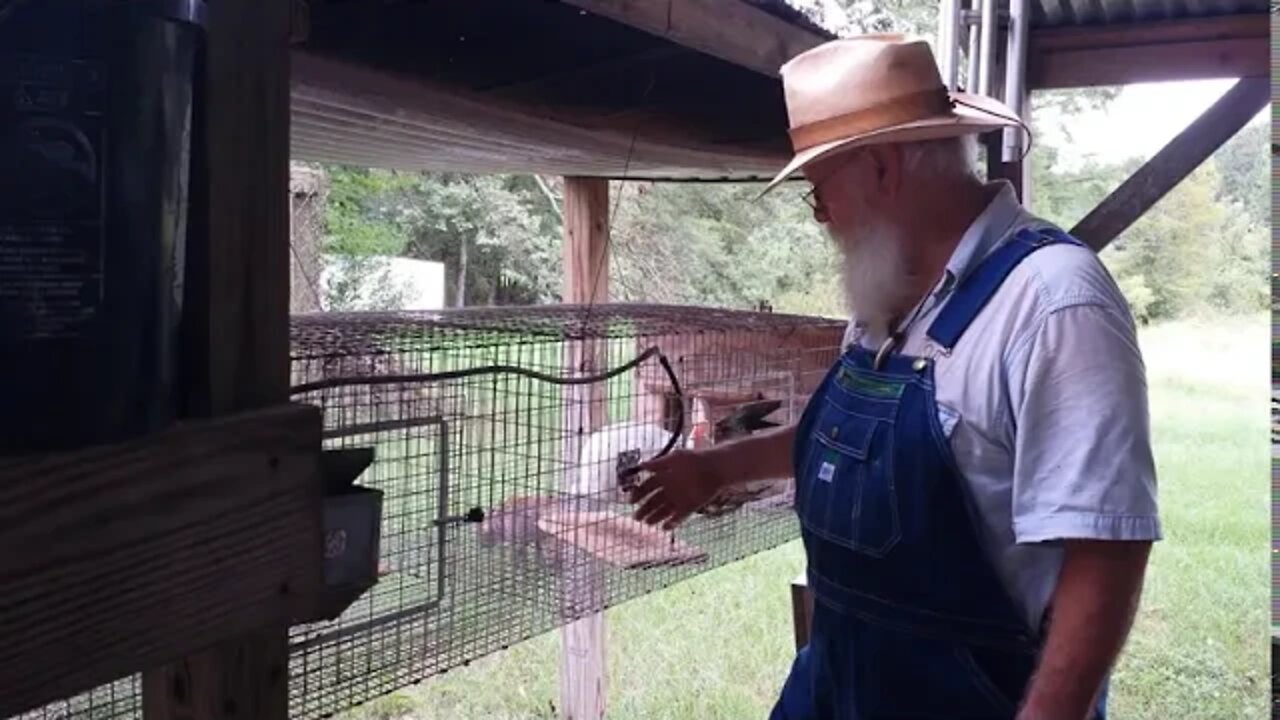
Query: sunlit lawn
{"type": "Point", "coordinates": [719, 646]}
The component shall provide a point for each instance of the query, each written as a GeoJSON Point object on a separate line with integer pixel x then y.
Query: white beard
{"type": "Point", "coordinates": [876, 279]}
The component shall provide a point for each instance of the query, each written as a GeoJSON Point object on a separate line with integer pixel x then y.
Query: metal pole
{"type": "Point", "coordinates": [1015, 76]}
{"type": "Point", "coordinates": [987, 47]}
{"type": "Point", "coordinates": [948, 42]}
{"type": "Point", "coordinates": [974, 68]}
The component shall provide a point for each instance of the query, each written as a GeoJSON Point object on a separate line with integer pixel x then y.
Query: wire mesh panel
{"type": "Point", "coordinates": [113, 701]}
{"type": "Point", "coordinates": [500, 434]}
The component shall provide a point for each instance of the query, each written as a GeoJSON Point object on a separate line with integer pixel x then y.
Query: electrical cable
{"type": "Point", "coordinates": [444, 375]}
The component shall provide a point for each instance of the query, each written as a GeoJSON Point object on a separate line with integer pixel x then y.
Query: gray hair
{"type": "Point", "coordinates": [953, 156]}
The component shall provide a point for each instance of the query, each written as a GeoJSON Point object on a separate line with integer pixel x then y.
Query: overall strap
{"type": "Point", "coordinates": [973, 294]}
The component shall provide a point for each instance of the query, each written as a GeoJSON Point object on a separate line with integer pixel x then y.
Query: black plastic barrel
{"type": "Point", "coordinates": [95, 136]}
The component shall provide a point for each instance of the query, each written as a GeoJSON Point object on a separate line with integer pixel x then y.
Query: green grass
{"type": "Point", "coordinates": [719, 645]}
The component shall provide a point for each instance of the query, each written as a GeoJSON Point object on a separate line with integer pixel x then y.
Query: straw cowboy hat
{"type": "Point", "coordinates": [877, 88]}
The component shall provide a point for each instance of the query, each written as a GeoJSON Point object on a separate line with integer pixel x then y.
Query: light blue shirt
{"type": "Point", "coordinates": [1045, 402]}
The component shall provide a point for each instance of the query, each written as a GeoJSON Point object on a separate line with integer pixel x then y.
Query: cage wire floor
{"type": "Point", "coordinates": [503, 515]}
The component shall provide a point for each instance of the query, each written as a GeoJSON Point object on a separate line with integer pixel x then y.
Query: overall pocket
{"type": "Point", "coordinates": [849, 494]}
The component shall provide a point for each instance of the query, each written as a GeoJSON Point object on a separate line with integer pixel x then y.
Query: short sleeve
{"type": "Point", "coordinates": [1083, 463]}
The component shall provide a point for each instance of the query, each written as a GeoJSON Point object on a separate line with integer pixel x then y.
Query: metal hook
{"type": "Point", "coordinates": [885, 348]}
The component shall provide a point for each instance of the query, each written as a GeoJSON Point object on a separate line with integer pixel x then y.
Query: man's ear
{"type": "Point", "coordinates": [887, 162]}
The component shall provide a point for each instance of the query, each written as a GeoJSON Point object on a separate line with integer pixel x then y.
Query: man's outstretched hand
{"type": "Point", "coordinates": [682, 483]}
{"type": "Point", "coordinates": [677, 486]}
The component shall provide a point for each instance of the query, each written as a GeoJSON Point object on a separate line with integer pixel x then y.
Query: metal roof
{"type": "Point", "coordinates": [1066, 13]}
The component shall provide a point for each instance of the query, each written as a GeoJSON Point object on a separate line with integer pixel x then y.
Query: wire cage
{"type": "Point", "coordinates": [500, 437]}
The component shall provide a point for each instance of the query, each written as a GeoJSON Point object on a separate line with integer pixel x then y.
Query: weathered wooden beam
{"type": "Point", "coordinates": [1162, 32]}
{"type": "Point", "coordinates": [586, 240]}
{"type": "Point", "coordinates": [118, 558]}
{"type": "Point", "coordinates": [1174, 162]}
{"type": "Point", "coordinates": [346, 113]}
{"type": "Point", "coordinates": [237, 312]}
{"type": "Point", "coordinates": [1227, 47]}
{"type": "Point", "coordinates": [583, 689]}
{"type": "Point", "coordinates": [588, 73]}
{"type": "Point", "coordinates": [731, 30]}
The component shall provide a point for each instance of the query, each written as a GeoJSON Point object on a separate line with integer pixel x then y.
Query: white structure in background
{"type": "Point", "coordinates": [382, 282]}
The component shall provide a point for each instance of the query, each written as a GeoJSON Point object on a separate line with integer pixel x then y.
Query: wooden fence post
{"type": "Point", "coordinates": [586, 237]}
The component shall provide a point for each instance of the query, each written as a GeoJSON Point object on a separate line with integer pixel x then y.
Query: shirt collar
{"type": "Point", "coordinates": [993, 225]}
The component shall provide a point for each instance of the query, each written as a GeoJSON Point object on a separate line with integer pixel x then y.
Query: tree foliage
{"type": "Point", "coordinates": [498, 237]}
{"type": "Point", "coordinates": [1203, 247]}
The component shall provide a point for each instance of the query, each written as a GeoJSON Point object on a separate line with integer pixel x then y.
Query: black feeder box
{"type": "Point", "coordinates": [352, 531]}
{"type": "Point", "coordinates": [95, 136]}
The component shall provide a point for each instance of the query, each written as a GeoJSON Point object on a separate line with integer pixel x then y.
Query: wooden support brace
{"type": "Point", "coordinates": [1174, 162]}
{"type": "Point", "coordinates": [583, 688]}
{"type": "Point", "coordinates": [121, 557]}
{"type": "Point", "coordinates": [236, 315]}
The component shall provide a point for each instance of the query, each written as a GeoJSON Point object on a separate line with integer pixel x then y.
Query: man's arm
{"type": "Point", "coordinates": [1092, 610]}
{"type": "Point", "coordinates": [760, 456]}
{"type": "Point", "coordinates": [1084, 480]}
{"type": "Point", "coordinates": [681, 483]}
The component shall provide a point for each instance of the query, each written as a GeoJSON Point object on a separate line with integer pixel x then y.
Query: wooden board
{"type": "Point", "coordinates": [583, 680]}
{"type": "Point", "coordinates": [731, 30]}
{"type": "Point", "coordinates": [1119, 54]}
{"type": "Point", "coordinates": [119, 558]}
{"type": "Point", "coordinates": [343, 112]}
{"type": "Point", "coordinates": [801, 610]}
{"type": "Point", "coordinates": [236, 319]}
{"type": "Point", "coordinates": [619, 540]}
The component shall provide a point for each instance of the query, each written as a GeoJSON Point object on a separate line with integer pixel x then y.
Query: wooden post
{"type": "Point", "coordinates": [801, 610]}
{"type": "Point", "coordinates": [236, 316]}
{"type": "Point", "coordinates": [1174, 162]}
{"type": "Point", "coordinates": [308, 193]}
{"type": "Point", "coordinates": [586, 238]}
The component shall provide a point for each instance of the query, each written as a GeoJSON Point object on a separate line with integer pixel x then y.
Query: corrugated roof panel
{"type": "Point", "coordinates": [1062, 13]}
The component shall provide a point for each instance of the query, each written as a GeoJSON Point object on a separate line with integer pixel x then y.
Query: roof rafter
{"type": "Point", "coordinates": [731, 30]}
{"type": "Point", "coordinates": [1201, 48]}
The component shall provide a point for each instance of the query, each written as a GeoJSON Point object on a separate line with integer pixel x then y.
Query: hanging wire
{"type": "Point", "coordinates": [600, 267]}
{"type": "Point", "coordinates": [444, 375]}
{"type": "Point", "coordinates": [1025, 128]}
{"type": "Point", "coordinates": [603, 262]}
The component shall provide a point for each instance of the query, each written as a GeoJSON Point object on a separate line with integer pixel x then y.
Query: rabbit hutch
{"type": "Point", "coordinates": [499, 436]}
{"type": "Point", "coordinates": [313, 513]}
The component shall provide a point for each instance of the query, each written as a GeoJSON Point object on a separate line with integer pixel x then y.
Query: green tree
{"type": "Point", "coordinates": [1245, 164]}
{"type": "Point", "coordinates": [496, 234]}
{"type": "Point", "coordinates": [360, 217]}
{"type": "Point", "coordinates": [715, 244]}
{"type": "Point", "coordinates": [1191, 254]}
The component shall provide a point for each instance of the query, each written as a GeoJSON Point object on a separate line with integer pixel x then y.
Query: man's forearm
{"type": "Point", "coordinates": [1093, 608]}
{"type": "Point", "coordinates": [761, 456]}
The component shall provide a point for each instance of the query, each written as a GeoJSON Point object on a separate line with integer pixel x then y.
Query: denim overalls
{"type": "Point", "coordinates": [910, 619]}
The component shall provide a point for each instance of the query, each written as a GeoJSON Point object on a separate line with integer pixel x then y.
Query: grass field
{"type": "Point", "coordinates": [718, 646]}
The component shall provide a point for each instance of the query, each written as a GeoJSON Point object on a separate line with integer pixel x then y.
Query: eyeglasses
{"type": "Point", "coordinates": [811, 199]}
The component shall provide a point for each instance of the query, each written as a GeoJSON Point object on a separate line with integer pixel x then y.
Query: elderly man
{"type": "Point", "coordinates": [974, 476]}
